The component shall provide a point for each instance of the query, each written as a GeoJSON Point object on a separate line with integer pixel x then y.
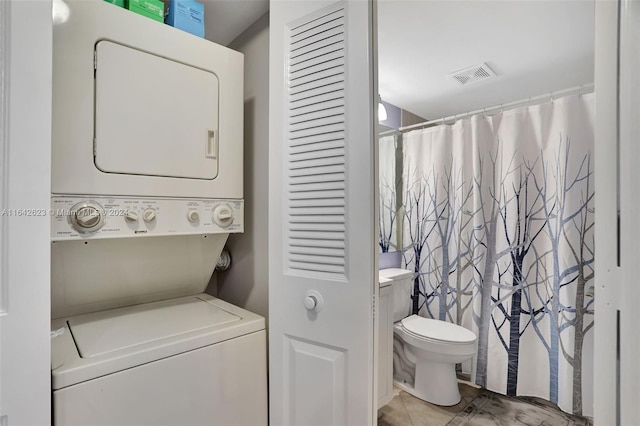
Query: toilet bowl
{"type": "Point", "coordinates": [424, 352]}
{"type": "Point", "coordinates": [434, 347]}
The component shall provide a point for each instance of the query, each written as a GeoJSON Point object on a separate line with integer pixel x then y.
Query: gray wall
{"type": "Point", "coordinates": [246, 283]}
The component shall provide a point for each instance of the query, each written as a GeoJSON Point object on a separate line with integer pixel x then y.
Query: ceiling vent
{"type": "Point", "coordinates": [472, 74]}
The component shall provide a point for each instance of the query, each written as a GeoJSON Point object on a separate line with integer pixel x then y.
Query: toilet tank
{"type": "Point", "coordinates": [401, 281]}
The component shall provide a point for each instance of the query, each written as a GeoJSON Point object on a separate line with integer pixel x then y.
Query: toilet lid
{"type": "Point", "coordinates": [437, 330]}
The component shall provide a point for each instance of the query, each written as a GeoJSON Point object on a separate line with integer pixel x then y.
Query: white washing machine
{"type": "Point", "coordinates": [194, 360]}
{"type": "Point", "coordinates": [146, 188]}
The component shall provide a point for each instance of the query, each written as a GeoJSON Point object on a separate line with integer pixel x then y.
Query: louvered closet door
{"type": "Point", "coordinates": [321, 213]}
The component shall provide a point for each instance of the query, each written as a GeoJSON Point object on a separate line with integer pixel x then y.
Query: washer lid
{"type": "Point", "coordinates": [438, 330]}
{"type": "Point", "coordinates": [165, 329]}
{"type": "Point", "coordinates": [108, 331]}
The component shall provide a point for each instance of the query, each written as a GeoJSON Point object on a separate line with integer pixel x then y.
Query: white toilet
{"type": "Point", "coordinates": [425, 351]}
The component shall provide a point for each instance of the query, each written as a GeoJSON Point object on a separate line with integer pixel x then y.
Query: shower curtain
{"type": "Point", "coordinates": [388, 185]}
{"type": "Point", "coordinates": [499, 227]}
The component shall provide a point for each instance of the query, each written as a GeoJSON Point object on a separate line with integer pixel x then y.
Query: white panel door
{"type": "Point", "coordinates": [25, 182]}
{"type": "Point", "coordinates": [628, 388]}
{"type": "Point", "coordinates": [322, 248]}
{"type": "Point", "coordinates": [608, 276]}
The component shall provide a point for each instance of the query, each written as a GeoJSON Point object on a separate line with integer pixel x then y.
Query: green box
{"type": "Point", "coordinates": [120, 3]}
{"type": "Point", "coordinates": [153, 9]}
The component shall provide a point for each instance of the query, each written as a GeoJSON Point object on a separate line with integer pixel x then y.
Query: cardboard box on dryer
{"type": "Point", "coordinates": [187, 15]}
{"type": "Point", "coordinates": [153, 9]}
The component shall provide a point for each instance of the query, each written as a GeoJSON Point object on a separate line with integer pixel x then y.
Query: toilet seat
{"type": "Point", "coordinates": [436, 331]}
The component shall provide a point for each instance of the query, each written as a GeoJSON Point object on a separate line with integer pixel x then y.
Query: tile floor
{"type": "Point", "coordinates": [478, 407]}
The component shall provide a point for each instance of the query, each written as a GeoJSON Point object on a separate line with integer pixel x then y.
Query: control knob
{"type": "Point", "coordinates": [193, 215]}
{"type": "Point", "coordinates": [87, 216]}
{"type": "Point", "coordinates": [131, 216]}
{"type": "Point", "coordinates": [149, 215]}
{"type": "Point", "coordinates": [223, 215]}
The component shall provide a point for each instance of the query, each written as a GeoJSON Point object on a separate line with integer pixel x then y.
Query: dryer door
{"type": "Point", "coordinates": [154, 116]}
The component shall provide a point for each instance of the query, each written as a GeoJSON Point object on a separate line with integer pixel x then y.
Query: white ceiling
{"type": "Point", "coordinates": [225, 20]}
{"type": "Point", "coordinates": [535, 47]}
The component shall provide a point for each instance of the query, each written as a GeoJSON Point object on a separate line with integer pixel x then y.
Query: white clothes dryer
{"type": "Point", "coordinates": [143, 109]}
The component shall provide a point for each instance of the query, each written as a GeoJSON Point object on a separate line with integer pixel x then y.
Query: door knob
{"type": "Point", "coordinates": [310, 303]}
{"type": "Point", "coordinates": [313, 301]}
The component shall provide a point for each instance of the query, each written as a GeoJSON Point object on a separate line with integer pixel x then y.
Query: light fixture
{"type": "Point", "coordinates": [60, 11]}
{"type": "Point", "coordinates": [382, 111]}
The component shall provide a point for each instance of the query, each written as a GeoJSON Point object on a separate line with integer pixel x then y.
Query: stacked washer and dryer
{"type": "Point", "coordinates": [146, 187]}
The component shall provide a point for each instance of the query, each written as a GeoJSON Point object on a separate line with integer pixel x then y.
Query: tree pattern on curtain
{"type": "Point", "coordinates": [388, 183]}
{"type": "Point", "coordinates": [499, 227]}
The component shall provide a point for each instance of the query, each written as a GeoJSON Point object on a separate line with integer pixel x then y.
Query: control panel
{"type": "Point", "coordinates": [78, 217]}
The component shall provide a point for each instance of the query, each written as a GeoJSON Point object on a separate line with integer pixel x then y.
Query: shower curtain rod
{"type": "Point", "coordinates": [584, 89]}
{"type": "Point", "coordinates": [389, 133]}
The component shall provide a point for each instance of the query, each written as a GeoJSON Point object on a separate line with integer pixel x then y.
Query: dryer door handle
{"type": "Point", "coordinates": [212, 144]}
